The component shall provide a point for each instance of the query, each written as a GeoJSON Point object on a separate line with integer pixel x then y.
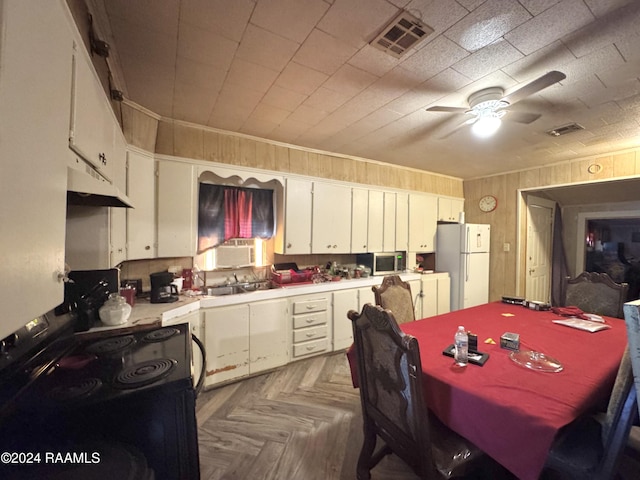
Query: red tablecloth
{"type": "Point", "coordinates": [510, 412]}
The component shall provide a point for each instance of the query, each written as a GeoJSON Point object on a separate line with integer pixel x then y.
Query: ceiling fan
{"type": "Point", "coordinates": [489, 105]}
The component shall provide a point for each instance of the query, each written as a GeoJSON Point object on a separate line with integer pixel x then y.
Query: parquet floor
{"type": "Point", "coordinates": [300, 422]}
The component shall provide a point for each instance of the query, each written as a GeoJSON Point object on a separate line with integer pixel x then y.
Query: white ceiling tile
{"type": "Point", "coordinates": [487, 24]}
{"type": "Point", "coordinates": [197, 74]}
{"type": "Point", "coordinates": [224, 18]}
{"type": "Point", "coordinates": [487, 60]}
{"type": "Point", "coordinates": [189, 104]}
{"type": "Point", "coordinates": [165, 14]}
{"type": "Point", "coordinates": [616, 26]}
{"type": "Point", "coordinates": [552, 24]}
{"type": "Point", "coordinates": [438, 14]}
{"type": "Point", "coordinates": [434, 58]}
{"type": "Point", "coordinates": [323, 52]}
{"type": "Point", "coordinates": [250, 75]}
{"type": "Point", "coordinates": [144, 44]}
{"type": "Point", "coordinates": [350, 80]}
{"type": "Point", "coordinates": [357, 22]}
{"type": "Point", "coordinates": [157, 96]}
{"type": "Point", "coordinates": [551, 57]}
{"type": "Point", "coordinates": [604, 7]}
{"type": "Point", "coordinates": [258, 127]}
{"type": "Point", "coordinates": [470, 4]}
{"type": "Point", "coordinates": [283, 98]}
{"type": "Point", "coordinates": [265, 48]}
{"type": "Point", "coordinates": [373, 61]}
{"type": "Point", "coordinates": [536, 7]}
{"type": "Point", "coordinates": [269, 113]}
{"type": "Point", "coordinates": [205, 47]}
{"type": "Point", "coordinates": [300, 78]}
{"type": "Point", "coordinates": [326, 100]}
{"type": "Point", "coordinates": [292, 19]}
{"type": "Point", "coordinates": [602, 60]}
{"type": "Point", "coordinates": [307, 115]}
{"type": "Point", "coordinates": [628, 47]}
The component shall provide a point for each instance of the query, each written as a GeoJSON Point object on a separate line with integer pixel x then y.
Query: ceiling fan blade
{"type": "Point", "coordinates": [447, 109]}
{"type": "Point", "coordinates": [535, 86]}
{"type": "Point", "coordinates": [521, 117]}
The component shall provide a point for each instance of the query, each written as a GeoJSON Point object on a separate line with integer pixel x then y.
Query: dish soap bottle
{"type": "Point", "coordinates": [461, 344]}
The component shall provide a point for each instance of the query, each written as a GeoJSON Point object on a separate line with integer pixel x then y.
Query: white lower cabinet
{"type": "Point", "coordinates": [226, 333]}
{"type": "Point", "coordinates": [343, 301]}
{"type": "Point", "coordinates": [268, 345]}
{"type": "Point", "coordinates": [311, 322]}
{"type": "Point", "coordinates": [436, 288]}
{"type": "Point", "coordinates": [416, 289]}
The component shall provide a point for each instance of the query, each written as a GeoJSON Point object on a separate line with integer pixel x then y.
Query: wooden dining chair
{"type": "Point", "coordinates": [595, 293]}
{"type": "Point", "coordinates": [591, 448]}
{"type": "Point", "coordinates": [393, 405]}
{"type": "Point", "coordinates": [395, 295]}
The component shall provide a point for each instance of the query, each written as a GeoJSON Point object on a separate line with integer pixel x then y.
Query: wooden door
{"type": "Point", "coordinates": [539, 249]}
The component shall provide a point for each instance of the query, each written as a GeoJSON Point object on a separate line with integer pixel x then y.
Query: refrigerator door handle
{"type": "Point", "coordinates": [466, 273]}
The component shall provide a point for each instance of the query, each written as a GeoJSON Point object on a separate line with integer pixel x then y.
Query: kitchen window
{"type": "Point", "coordinates": [227, 212]}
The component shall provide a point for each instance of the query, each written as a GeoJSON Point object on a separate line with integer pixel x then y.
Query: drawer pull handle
{"type": "Point", "coordinates": [309, 348]}
{"type": "Point", "coordinates": [310, 307]}
{"type": "Point", "coordinates": [311, 335]}
{"type": "Point", "coordinates": [310, 320]}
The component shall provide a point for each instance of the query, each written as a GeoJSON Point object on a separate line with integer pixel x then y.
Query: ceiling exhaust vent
{"type": "Point", "coordinates": [404, 32]}
{"type": "Point", "coordinates": [572, 127]}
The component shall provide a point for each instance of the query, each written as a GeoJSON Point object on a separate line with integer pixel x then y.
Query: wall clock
{"type": "Point", "coordinates": [488, 203]}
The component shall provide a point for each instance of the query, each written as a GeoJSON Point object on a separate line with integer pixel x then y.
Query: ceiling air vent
{"type": "Point", "coordinates": [404, 32]}
{"type": "Point", "coordinates": [572, 127]}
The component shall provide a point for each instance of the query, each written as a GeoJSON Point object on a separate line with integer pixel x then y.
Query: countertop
{"type": "Point", "coordinates": [146, 315]}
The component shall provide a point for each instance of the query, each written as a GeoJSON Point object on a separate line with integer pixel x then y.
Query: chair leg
{"type": "Point", "coordinates": [363, 470]}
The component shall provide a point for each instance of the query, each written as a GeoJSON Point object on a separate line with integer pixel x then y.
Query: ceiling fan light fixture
{"type": "Point", "coordinates": [486, 125]}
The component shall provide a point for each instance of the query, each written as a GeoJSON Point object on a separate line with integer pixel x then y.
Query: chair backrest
{"type": "Point", "coordinates": [595, 293]}
{"type": "Point", "coordinates": [395, 295]}
{"type": "Point", "coordinates": [390, 380]}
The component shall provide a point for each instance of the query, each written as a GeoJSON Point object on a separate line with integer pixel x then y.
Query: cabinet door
{"type": "Point", "coordinates": [402, 221]}
{"type": "Point", "coordinates": [365, 295]}
{"type": "Point", "coordinates": [297, 219]}
{"type": "Point", "coordinates": [35, 94]}
{"type": "Point", "coordinates": [331, 218]}
{"type": "Point", "coordinates": [457, 207]}
{"type": "Point", "coordinates": [423, 221]}
{"type": "Point", "coordinates": [92, 120]}
{"type": "Point", "coordinates": [444, 294]}
{"type": "Point", "coordinates": [117, 236]}
{"type": "Point", "coordinates": [268, 345]}
{"type": "Point", "coordinates": [416, 289]}
{"type": "Point", "coordinates": [343, 301]}
{"type": "Point", "coordinates": [226, 332]}
{"type": "Point", "coordinates": [177, 207]}
{"type": "Point", "coordinates": [449, 209]}
{"type": "Point", "coordinates": [389, 231]}
{"type": "Point", "coordinates": [431, 296]}
{"type": "Point", "coordinates": [359, 219]}
{"type": "Point", "coordinates": [376, 221]}
{"type": "Point", "coordinates": [141, 220]}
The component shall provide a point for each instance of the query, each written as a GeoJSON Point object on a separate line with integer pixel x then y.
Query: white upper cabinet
{"type": "Point", "coordinates": [376, 221]}
{"type": "Point", "coordinates": [423, 214]}
{"type": "Point", "coordinates": [295, 235]}
{"type": "Point", "coordinates": [141, 220]}
{"type": "Point", "coordinates": [35, 94]}
{"type": "Point", "coordinates": [177, 206]}
{"type": "Point", "coordinates": [331, 217]}
{"type": "Point", "coordinates": [402, 221]}
{"type": "Point", "coordinates": [94, 134]}
{"type": "Point", "coordinates": [359, 219]}
{"type": "Point", "coordinates": [449, 209]}
{"type": "Point", "coordinates": [389, 232]}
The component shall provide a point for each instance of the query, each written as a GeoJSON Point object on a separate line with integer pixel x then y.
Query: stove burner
{"type": "Point", "coordinates": [110, 345]}
{"type": "Point", "coordinates": [160, 335]}
{"type": "Point", "coordinates": [73, 391]}
{"type": "Point", "coordinates": [144, 373]}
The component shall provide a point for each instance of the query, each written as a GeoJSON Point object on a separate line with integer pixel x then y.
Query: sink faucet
{"type": "Point", "coordinates": [236, 277]}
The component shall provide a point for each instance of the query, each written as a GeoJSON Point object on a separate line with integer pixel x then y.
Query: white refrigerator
{"type": "Point", "coordinates": [463, 251]}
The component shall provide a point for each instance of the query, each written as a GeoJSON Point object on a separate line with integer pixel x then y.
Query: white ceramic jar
{"type": "Point", "coordinates": [115, 310]}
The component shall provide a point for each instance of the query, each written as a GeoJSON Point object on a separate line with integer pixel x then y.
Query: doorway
{"type": "Point", "coordinates": [539, 249]}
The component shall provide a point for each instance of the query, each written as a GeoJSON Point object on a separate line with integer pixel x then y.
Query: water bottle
{"type": "Point", "coordinates": [461, 343]}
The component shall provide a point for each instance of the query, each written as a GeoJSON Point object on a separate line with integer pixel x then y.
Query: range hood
{"type": "Point", "coordinates": [85, 186]}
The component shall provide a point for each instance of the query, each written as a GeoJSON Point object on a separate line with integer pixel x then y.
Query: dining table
{"type": "Point", "coordinates": [509, 410]}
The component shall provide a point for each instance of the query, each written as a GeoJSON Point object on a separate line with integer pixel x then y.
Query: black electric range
{"type": "Point", "coordinates": [83, 409]}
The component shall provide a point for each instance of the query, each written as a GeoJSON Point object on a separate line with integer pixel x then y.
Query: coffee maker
{"type": "Point", "coordinates": [162, 291]}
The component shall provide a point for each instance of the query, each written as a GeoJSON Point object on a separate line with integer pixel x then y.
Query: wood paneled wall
{"type": "Point", "coordinates": [202, 143]}
{"type": "Point", "coordinates": [504, 220]}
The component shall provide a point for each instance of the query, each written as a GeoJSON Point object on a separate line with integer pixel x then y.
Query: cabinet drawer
{"type": "Point", "coordinates": [305, 334]}
{"type": "Point", "coordinates": [308, 348]}
{"type": "Point", "coordinates": [301, 321]}
{"type": "Point", "coordinates": [310, 305]}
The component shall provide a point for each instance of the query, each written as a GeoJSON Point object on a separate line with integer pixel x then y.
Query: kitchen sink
{"type": "Point", "coordinates": [238, 288]}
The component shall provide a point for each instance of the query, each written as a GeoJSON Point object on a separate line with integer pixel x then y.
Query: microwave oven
{"type": "Point", "coordinates": [383, 263]}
